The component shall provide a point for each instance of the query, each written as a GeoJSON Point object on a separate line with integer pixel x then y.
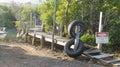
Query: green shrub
{"type": "Point", "coordinates": [89, 39]}
{"type": "Point", "coordinates": [114, 38]}
{"type": "Point", "coordinates": [114, 35]}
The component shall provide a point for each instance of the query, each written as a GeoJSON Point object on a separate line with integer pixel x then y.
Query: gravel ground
{"type": "Point", "coordinates": [25, 55]}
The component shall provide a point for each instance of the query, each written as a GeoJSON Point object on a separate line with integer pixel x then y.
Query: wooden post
{"type": "Point", "coordinates": [26, 32]}
{"type": "Point", "coordinates": [42, 41]}
{"type": "Point", "coordinates": [33, 40]}
{"type": "Point", "coordinates": [54, 21]}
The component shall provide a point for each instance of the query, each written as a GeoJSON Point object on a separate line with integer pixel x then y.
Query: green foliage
{"type": "Point", "coordinates": [18, 24]}
{"type": "Point", "coordinates": [6, 17]}
{"type": "Point", "coordinates": [114, 38]}
{"type": "Point", "coordinates": [46, 12]}
{"type": "Point", "coordinates": [89, 39]}
{"type": "Point", "coordinates": [27, 10]}
{"type": "Point", "coordinates": [85, 10]}
{"type": "Point", "coordinates": [114, 35]}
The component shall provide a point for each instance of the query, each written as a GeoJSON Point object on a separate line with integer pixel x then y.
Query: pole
{"type": "Point", "coordinates": [99, 46]}
{"type": "Point", "coordinates": [54, 21]}
{"type": "Point", "coordinates": [100, 22]}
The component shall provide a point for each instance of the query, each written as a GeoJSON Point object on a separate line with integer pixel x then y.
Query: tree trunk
{"type": "Point", "coordinates": [66, 12]}
{"type": "Point", "coordinates": [54, 22]}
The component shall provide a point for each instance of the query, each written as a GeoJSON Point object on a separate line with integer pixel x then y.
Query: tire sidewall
{"type": "Point", "coordinates": [71, 26]}
{"type": "Point", "coordinates": [72, 53]}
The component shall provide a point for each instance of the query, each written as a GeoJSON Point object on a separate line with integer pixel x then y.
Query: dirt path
{"type": "Point", "coordinates": [24, 55]}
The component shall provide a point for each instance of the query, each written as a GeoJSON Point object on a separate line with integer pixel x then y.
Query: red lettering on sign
{"type": "Point", "coordinates": [101, 34]}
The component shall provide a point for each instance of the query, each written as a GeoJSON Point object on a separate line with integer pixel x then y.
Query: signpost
{"type": "Point", "coordinates": [99, 45]}
{"type": "Point", "coordinates": [101, 37]}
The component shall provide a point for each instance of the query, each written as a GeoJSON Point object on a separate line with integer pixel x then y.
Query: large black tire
{"type": "Point", "coordinates": [71, 52]}
{"type": "Point", "coordinates": [71, 28]}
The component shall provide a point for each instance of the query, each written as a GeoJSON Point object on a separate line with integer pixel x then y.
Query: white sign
{"type": "Point", "coordinates": [102, 37]}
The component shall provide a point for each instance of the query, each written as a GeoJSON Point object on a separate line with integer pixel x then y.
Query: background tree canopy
{"type": "Point", "coordinates": [6, 17]}
{"type": "Point", "coordinates": [87, 11]}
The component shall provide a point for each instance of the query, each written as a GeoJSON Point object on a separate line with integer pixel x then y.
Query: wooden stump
{"type": "Point", "coordinates": [33, 40]}
{"type": "Point", "coordinates": [53, 45]}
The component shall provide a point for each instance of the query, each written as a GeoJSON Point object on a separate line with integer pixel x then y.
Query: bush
{"type": "Point", "coordinates": [115, 35]}
{"type": "Point", "coordinates": [114, 39]}
{"type": "Point", "coordinates": [89, 39]}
